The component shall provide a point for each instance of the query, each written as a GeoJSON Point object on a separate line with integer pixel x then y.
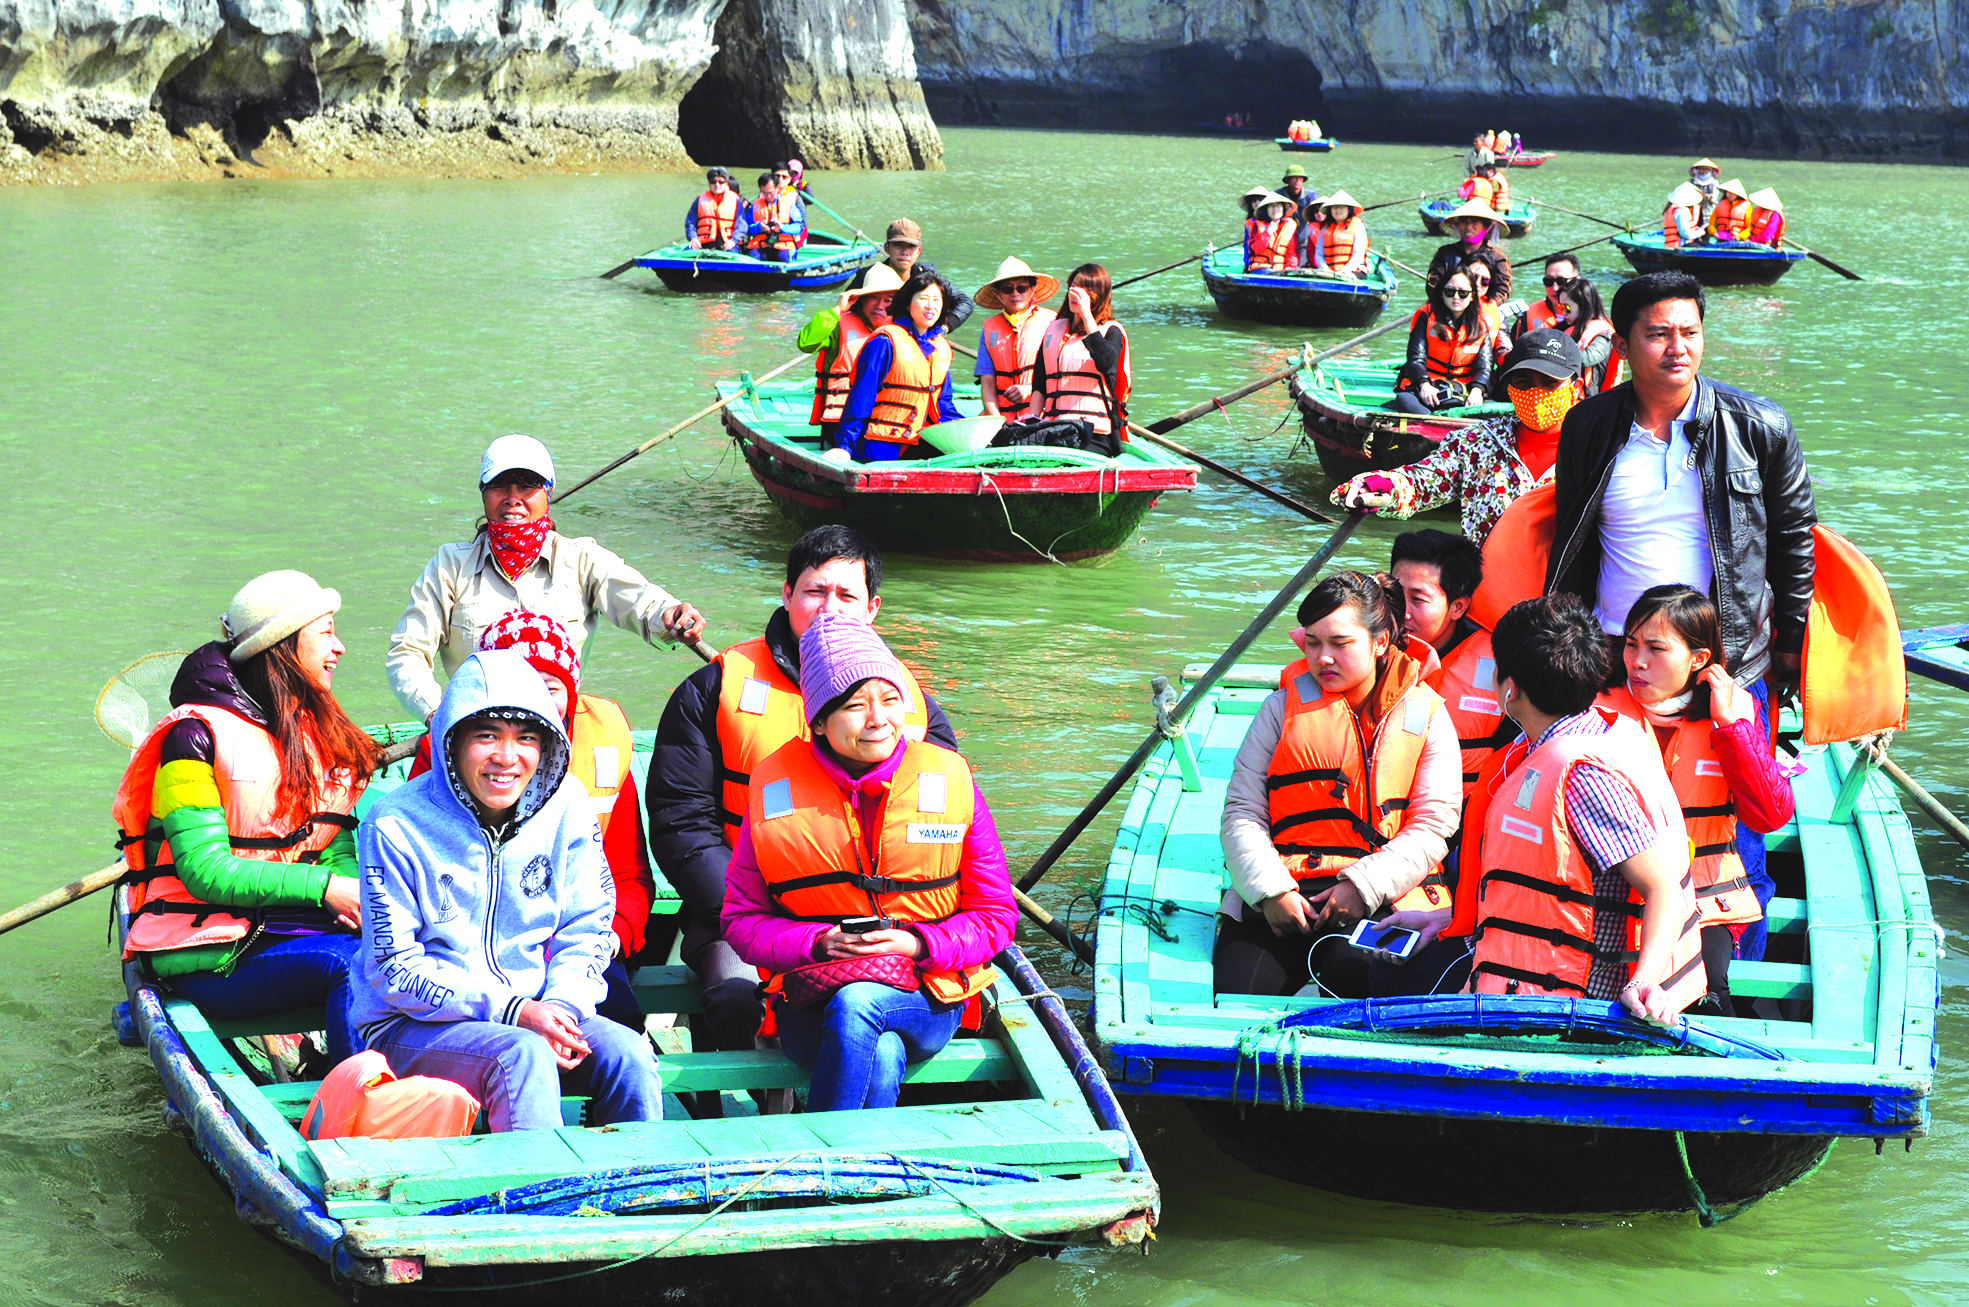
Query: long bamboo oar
{"type": "Point", "coordinates": [1947, 820]}
{"type": "Point", "coordinates": [1847, 273]}
{"type": "Point", "coordinates": [1570, 249]}
{"type": "Point", "coordinates": [654, 441]}
{"type": "Point", "coordinates": [619, 269]}
{"type": "Point", "coordinates": [1403, 266]}
{"type": "Point", "coordinates": [1053, 926]}
{"type": "Point", "coordinates": [81, 889]}
{"type": "Point", "coordinates": [1130, 281]}
{"type": "Point", "coordinates": [1617, 226]}
{"type": "Point", "coordinates": [859, 234]}
{"type": "Point", "coordinates": [1180, 715]}
{"type": "Point", "coordinates": [1419, 199]}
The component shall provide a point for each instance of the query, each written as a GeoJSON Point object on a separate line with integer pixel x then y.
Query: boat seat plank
{"type": "Point", "coordinates": [1771, 980]}
{"type": "Point", "coordinates": [667, 989]}
{"type": "Point", "coordinates": [1785, 916]}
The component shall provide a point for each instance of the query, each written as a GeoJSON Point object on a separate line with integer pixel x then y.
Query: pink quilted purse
{"type": "Point", "coordinates": [805, 986]}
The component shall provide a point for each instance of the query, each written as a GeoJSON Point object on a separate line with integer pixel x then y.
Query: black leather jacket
{"type": "Point", "coordinates": [1755, 492]}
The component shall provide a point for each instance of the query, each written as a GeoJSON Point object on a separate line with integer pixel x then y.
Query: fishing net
{"type": "Point", "coordinates": [137, 697]}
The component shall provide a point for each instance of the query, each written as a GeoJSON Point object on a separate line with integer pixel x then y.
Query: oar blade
{"type": "Point", "coordinates": [618, 270]}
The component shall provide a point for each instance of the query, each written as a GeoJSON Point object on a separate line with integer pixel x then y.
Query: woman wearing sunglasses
{"type": "Point", "coordinates": [1448, 349]}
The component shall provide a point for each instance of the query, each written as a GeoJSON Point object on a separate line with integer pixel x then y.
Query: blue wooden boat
{"type": "Point", "coordinates": [1322, 146]}
{"type": "Point", "coordinates": [1518, 217]}
{"type": "Point", "coordinates": [1300, 298]}
{"type": "Point", "coordinates": [825, 262]}
{"type": "Point", "coordinates": [1007, 1146]}
{"type": "Point", "coordinates": [1718, 263]}
{"type": "Point", "coordinates": [1529, 1104]}
{"type": "Point", "coordinates": [1940, 653]}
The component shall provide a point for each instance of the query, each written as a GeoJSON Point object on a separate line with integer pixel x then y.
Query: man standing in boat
{"type": "Point", "coordinates": [719, 724]}
{"type": "Point", "coordinates": [902, 250]}
{"type": "Point", "coordinates": [1298, 187]}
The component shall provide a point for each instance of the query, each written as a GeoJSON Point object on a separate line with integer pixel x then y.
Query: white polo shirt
{"type": "Point", "coordinates": [1653, 530]}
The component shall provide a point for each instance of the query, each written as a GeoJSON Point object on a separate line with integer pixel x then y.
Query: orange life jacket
{"type": "Point", "coordinates": [1490, 141]}
{"type": "Point", "coordinates": [1075, 388]}
{"type": "Point", "coordinates": [835, 377]}
{"type": "Point", "coordinates": [716, 216]}
{"type": "Point", "coordinates": [601, 752]}
{"type": "Point", "coordinates": [246, 767]}
{"type": "Point", "coordinates": [1467, 682]}
{"type": "Point", "coordinates": [909, 388]}
{"type": "Point", "coordinates": [1479, 188]}
{"type": "Point", "coordinates": [1709, 814]}
{"type": "Point", "coordinates": [1339, 240]}
{"type": "Point", "coordinates": [1452, 354]}
{"type": "Point", "coordinates": [1671, 235]}
{"type": "Point", "coordinates": [759, 212]}
{"type": "Point", "coordinates": [1534, 894]}
{"type": "Point", "coordinates": [1608, 374]}
{"type": "Point", "coordinates": [1335, 798]}
{"type": "Point", "coordinates": [1767, 226]}
{"type": "Point", "coordinates": [811, 855]}
{"type": "Point", "coordinates": [1854, 679]}
{"type": "Point", "coordinates": [1269, 246]}
{"type": "Point", "coordinates": [760, 709]}
{"type": "Point", "coordinates": [1012, 351]}
{"type": "Point", "coordinates": [1731, 219]}
{"type": "Point", "coordinates": [1500, 193]}
{"type": "Point", "coordinates": [362, 1096]}
{"type": "Point", "coordinates": [1515, 554]}
{"type": "Point", "coordinates": [1542, 317]}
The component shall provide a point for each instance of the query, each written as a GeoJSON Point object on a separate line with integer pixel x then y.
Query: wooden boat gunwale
{"type": "Point", "coordinates": [1532, 159]}
{"type": "Point", "coordinates": [828, 260]}
{"type": "Point", "coordinates": [1386, 438]}
{"type": "Point", "coordinates": [1940, 653]}
{"type": "Point", "coordinates": [1290, 146]}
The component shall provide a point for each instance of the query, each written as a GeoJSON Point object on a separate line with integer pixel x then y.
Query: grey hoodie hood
{"type": "Point", "coordinates": [502, 683]}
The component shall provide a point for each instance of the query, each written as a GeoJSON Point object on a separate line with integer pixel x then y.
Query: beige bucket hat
{"type": "Point", "coordinates": [881, 280]}
{"type": "Point", "coordinates": [987, 296]}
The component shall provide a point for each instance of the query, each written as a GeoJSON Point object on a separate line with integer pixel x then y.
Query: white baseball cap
{"type": "Point", "coordinates": [516, 453]}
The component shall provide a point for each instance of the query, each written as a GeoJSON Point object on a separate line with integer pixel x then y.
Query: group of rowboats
{"type": "Point", "coordinates": [1013, 1143]}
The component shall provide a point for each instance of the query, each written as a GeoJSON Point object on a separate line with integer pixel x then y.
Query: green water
{"type": "Point", "coordinates": [205, 382]}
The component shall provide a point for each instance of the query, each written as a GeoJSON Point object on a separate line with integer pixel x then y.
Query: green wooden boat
{"type": "Point", "coordinates": [1008, 1145]}
{"type": "Point", "coordinates": [1345, 407]}
{"type": "Point", "coordinates": [1529, 1104]}
{"type": "Point", "coordinates": [1015, 505]}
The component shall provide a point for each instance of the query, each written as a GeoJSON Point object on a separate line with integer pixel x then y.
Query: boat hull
{"type": "Point", "coordinates": [1297, 300]}
{"type": "Point", "coordinates": [1526, 160]}
{"type": "Point", "coordinates": [826, 263]}
{"type": "Point", "coordinates": [1349, 441]}
{"type": "Point", "coordinates": [1321, 146]}
{"type": "Point", "coordinates": [1518, 219]}
{"type": "Point", "coordinates": [1505, 1166]}
{"type": "Point", "coordinates": [1734, 263]}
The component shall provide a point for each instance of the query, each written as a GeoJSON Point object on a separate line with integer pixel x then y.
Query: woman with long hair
{"type": "Point", "coordinates": [1584, 317]}
{"type": "Point", "coordinates": [1449, 354]}
{"type": "Point", "coordinates": [237, 820]}
{"type": "Point", "coordinates": [902, 377]}
{"type": "Point", "coordinates": [1083, 369]}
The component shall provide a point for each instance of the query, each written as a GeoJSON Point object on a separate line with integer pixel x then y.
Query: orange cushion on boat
{"type": "Point", "coordinates": [1854, 681]}
{"type": "Point", "coordinates": [362, 1096]}
{"type": "Point", "coordinates": [1515, 554]}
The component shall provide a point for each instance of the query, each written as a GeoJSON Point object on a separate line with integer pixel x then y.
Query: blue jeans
{"type": "Point", "coordinates": [287, 973]}
{"type": "Point", "coordinates": [858, 1042]}
{"type": "Point", "coordinates": [513, 1074]}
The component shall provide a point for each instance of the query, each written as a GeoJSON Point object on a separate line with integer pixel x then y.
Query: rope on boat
{"type": "Point", "coordinates": [1709, 1216]}
{"type": "Point", "coordinates": [984, 479]}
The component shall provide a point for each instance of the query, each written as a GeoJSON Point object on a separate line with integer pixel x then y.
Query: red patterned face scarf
{"type": "Point", "coordinates": [516, 544]}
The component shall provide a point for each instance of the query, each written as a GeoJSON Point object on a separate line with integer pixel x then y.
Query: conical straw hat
{"type": "Point", "coordinates": [1339, 198]}
{"type": "Point", "coordinates": [1473, 209]}
{"type": "Point", "coordinates": [1734, 186]}
{"type": "Point", "coordinates": [1710, 164]}
{"type": "Point", "coordinates": [1768, 199]}
{"type": "Point", "coordinates": [1015, 267]}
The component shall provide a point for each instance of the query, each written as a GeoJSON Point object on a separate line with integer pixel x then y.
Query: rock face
{"type": "Point", "coordinates": [832, 84]}
{"type": "Point", "coordinates": [1795, 77]}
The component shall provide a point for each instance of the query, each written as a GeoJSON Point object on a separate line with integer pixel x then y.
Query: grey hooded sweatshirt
{"type": "Point", "coordinates": [460, 923]}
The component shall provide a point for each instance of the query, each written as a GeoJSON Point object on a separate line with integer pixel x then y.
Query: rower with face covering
{"type": "Point", "coordinates": [1484, 467]}
{"type": "Point", "coordinates": [518, 560]}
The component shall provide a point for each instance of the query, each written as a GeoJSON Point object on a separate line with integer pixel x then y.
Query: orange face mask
{"type": "Point", "coordinates": [1544, 410]}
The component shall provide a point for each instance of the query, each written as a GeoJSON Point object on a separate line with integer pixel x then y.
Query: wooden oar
{"type": "Point", "coordinates": [1570, 249]}
{"type": "Point", "coordinates": [1129, 281]}
{"type": "Point", "coordinates": [1947, 820]}
{"type": "Point", "coordinates": [1053, 926]}
{"type": "Point", "coordinates": [654, 441]}
{"type": "Point", "coordinates": [1403, 266]}
{"type": "Point", "coordinates": [619, 269]}
{"type": "Point", "coordinates": [859, 234]}
{"type": "Point", "coordinates": [1276, 496]}
{"type": "Point", "coordinates": [1617, 226]}
{"type": "Point", "coordinates": [1419, 199]}
{"type": "Point", "coordinates": [81, 889]}
{"type": "Point", "coordinates": [1180, 715]}
{"type": "Point", "coordinates": [1847, 273]}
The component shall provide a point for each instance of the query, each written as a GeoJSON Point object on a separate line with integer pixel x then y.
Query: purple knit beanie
{"type": "Point", "coordinates": [839, 652]}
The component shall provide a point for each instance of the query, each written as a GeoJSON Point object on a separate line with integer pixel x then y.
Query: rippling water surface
{"type": "Point", "coordinates": [204, 382]}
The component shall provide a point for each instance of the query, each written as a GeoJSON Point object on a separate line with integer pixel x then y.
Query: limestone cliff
{"type": "Point", "coordinates": [832, 84]}
{"type": "Point", "coordinates": [1810, 77]}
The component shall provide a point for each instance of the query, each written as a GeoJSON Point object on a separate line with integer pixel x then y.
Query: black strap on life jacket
{"type": "Point", "coordinates": [1715, 810]}
{"type": "Point", "coordinates": [1543, 979]}
{"type": "Point", "coordinates": [1549, 934]}
{"type": "Point", "coordinates": [1724, 887]}
{"type": "Point", "coordinates": [300, 834]}
{"type": "Point", "coordinates": [1284, 779]}
{"type": "Point", "coordinates": [862, 881]}
{"type": "Point", "coordinates": [1711, 850]}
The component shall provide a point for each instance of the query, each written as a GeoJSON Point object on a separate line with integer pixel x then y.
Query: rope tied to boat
{"type": "Point", "coordinates": [1709, 1216]}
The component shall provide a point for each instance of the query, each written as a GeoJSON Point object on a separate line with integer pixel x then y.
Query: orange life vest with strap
{"type": "Point", "coordinates": [1534, 900]}
{"type": "Point", "coordinates": [834, 377]}
{"type": "Point", "coordinates": [1671, 235]}
{"type": "Point", "coordinates": [246, 768]}
{"type": "Point", "coordinates": [761, 212]}
{"type": "Point", "coordinates": [1075, 388]}
{"type": "Point", "coordinates": [716, 216]}
{"type": "Point", "coordinates": [1467, 682]}
{"type": "Point", "coordinates": [1478, 188]}
{"type": "Point", "coordinates": [1339, 240]}
{"type": "Point", "coordinates": [1709, 814]}
{"type": "Point", "coordinates": [1608, 375]}
{"type": "Point", "coordinates": [1766, 226]}
{"type": "Point", "coordinates": [1541, 317]}
{"type": "Point", "coordinates": [601, 753]}
{"type": "Point", "coordinates": [1334, 797]}
{"type": "Point", "coordinates": [1452, 353]}
{"type": "Point", "coordinates": [1731, 219]}
{"type": "Point", "coordinates": [1268, 246]}
{"type": "Point", "coordinates": [811, 854]}
{"type": "Point", "coordinates": [1500, 193]}
{"type": "Point", "coordinates": [760, 709]}
{"type": "Point", "coordinates": [1854, 681]}
{"type": "Point", "coordinates": [909, 388]}
{"type": "Point", "coordinates": [1012, 351]}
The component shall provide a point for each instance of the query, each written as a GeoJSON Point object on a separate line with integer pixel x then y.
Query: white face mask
{"type": "Point", "coordinates": [1669, 711]}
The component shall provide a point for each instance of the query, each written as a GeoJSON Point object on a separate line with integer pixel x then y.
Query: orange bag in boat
{"type": "Point", "coordinates": [1854, 680]}
{"type": "Point", "coordinates": [1515, 554]}
{"type": "Point", "coordinates": [362, 1096]}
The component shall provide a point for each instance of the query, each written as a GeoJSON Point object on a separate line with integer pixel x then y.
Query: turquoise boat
{"type": "Point", "coordinates": [1509, 1103]}
{"type": "Point", "coordinates": [1517, 218]}
{"type": "Point", "coordinates": [1008, 1145]}
{"type": "Point", "coordinates": [1346, 407]}
{"type": "Point", "coordinates": [1018, 504]}
{"type": "Point", "coordinates": [825, 262]}
{"type": "Point", "coordinates": [1301, 297]}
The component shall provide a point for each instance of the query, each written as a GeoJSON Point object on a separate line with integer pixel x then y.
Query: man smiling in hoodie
{"type": "Point", "coordinates": [487, 915]}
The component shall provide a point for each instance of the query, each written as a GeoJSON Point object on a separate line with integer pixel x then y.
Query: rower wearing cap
{"type": "Point", "coordinates": [518, 560]}
{"type": "Point", "coordinates": [1681, 221]}
{"type": "Point", "coordinates": [713, 216]}
{"type": "Point", "coordinates": [834, 336]}
{"type": "Point", "coordinates": [1296, 186]}
{"type": "Point", "coordinates": [1339, 244]}
{"type": "Point", "coordinates": [1009, 346]}
{"type": "Point", "coordinates": [902, 250]}
{"type": "Point", "coordinates": [1767, 218]}
{"type": "Point", "coordinates": [1730, 220]}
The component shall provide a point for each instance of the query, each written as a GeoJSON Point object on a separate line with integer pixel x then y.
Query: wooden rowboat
{"type": "Point", "coordinates": [1529, 1104]}
{"type": "Point", "coordinates": [1518, 217]}
{"type": "Point", "coordinates": [1321, 146]}
{"type": "Point", "coordinates": [1344, 407]}
{"type": "Point", "coordinates": [1940, 653]}
{"type": "Point", "coordinates": [1013, 505]}
{"type": "Point", "coordinates": [1719, 263]}
{"type": "Point", "coordinates": [825, 262]}
{"type": "Point", "coordinates": [1008, 1145]}
{"type": "Point", "coordinates": [1300, 298]}
{"type": "Point", "coordinates": [1527, 160]}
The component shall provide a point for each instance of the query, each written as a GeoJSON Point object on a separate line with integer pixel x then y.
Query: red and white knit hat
{"type": "Point", "coordinates": [543, 642]}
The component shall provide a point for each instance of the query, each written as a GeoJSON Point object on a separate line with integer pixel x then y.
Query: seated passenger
{"type": "Point", "coordinates": [1585, 321]}
{"type": "Point", "coordinates": [1559, 269]}
{"type": "Point", "coordinates": [1339, 243]}
{"type": "Point", "coordinates": [1439, 573]}
{"type": "Point", "coordinates": [1767, 219]}
{"type": "Point", "coordinates": [1298, 187]}
{"type": "Point", "coordinates": [1730, 220]}
{"type": "Point", "coordinates": [487, 913]}
{"type": "Point", "coordinates": [235, 815]}
{"type": "Point", "coordinates": [1448, 350]}
{"type": "Point", "coordinates": [1476, 154]}
{"type": "Point", "coordinates": [1271, 238]}
{"type": "Point", "coordinates": [1715, 744]}
{"type": "Point", "coordinates": [712, 219]}
{"type": "Point", "coordinates": [1484, 467]}
{"type": "Point", "coordinates": [1574, 878]}
{"type": "Point", "coordinates": [863, 822]}
{"type": "Point", "coordinates": [1084, 373]}
{"type": "Point", "coordinates": [901, 377]}
{"type": "Point", "coordinates": [1009, 345]}
{"type": "Point", "coordinates": [1486, 187]}
{"type": "Point", "coordinates": [793, 210]}
{"type": "Point", "coordinates": [1681, 221]}
{"type": "Point", "coordinates": [1706, 176]}
{"type": "Point", "coordinates": [1343, 795]}
{"type": "Point", "coordinates": [834, 336]}
{"type": "Point", "coordinates": [771, 229]}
